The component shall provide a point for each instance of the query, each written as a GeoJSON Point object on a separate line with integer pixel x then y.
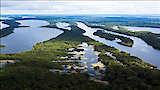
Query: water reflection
{"type": "Point", "coordinates": [154, 30]}
{"type": "Point", "coordinates": [89, 63]}
{"type": "Point", "coordinates": [4, 62]}
{"type": "Point", "coordinates": [63, 25]}
{"type": "Point", "coordinates": [23, 39]}
{"type": "Point", "coordinates": [2, 25]}
{"type": "Point", "coordinates": [140, 49]}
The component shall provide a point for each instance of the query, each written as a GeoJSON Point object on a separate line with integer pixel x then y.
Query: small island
{"type": "Point", "coordinates": [2, 45]}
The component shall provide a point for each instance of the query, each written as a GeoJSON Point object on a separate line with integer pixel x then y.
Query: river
{"type": "Point", "coordinates": [2, 25]}
{"type": "Point", "coordinates": [140, 48]}
{"type": "Point", "coordinates": [23, 39]}
{"type": "Point", "coordinates": [154, 30]}
{"type": "Point", "coordinates": [63, 25]}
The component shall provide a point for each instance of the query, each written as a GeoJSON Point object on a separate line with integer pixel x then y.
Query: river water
{"type": "Point", "coordinates": [2, 25]}
{"type": "Point", "coordinates": [140, 48]}
{"type": "Point", "coordinates": [89, 63]}
{"type": "Point", "coordinates": [63, 25]}
{"type": "Point", "coordinates": [154, 30]}
{"type": "Point", "coordinates": [22, 39]}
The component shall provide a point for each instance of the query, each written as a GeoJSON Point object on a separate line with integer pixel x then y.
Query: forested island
{"type": "Point", "coordinates": [125, 41]}
{"type": "Point", "coordinates": [122, 70]}
{"type": "Point", "coordinates": [149, 37]}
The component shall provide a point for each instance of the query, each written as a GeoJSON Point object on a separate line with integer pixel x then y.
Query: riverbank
{"type": "Point", "coordinates": [34, 66]}
{"type": "Point", "coordinates": [123, 40]}
{"type": "Point", "coordinates": [149, 37]}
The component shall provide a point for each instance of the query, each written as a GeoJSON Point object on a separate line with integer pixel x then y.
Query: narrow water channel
{"type": "Point", "coordinates": [89, 63]}
{"type": "Point", "coordinates": [140, 48]}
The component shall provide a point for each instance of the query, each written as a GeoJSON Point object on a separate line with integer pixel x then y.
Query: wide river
{"type": "Point", "coordinates": [22, 39]}
{"type": "Point", "coordinates": [140, 48]}
{"type": "Point", "coordinates": [154, 30]}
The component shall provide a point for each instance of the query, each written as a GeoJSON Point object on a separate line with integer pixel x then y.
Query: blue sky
{"type": "Point", "coordinates": [80, 7]}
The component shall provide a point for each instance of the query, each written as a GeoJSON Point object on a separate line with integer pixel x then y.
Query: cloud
{"type": "Point", "coordinates": [80, 7]}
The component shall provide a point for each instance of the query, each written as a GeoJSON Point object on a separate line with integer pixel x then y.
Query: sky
{"type": "Point", "coordinates": [80, 7]}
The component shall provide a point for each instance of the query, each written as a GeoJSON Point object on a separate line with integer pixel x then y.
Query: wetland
{"type": "Point", "coordinates": [64, 53]}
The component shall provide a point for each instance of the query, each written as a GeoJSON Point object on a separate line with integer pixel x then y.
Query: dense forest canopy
{"type": "Point", "coordinates": [126, 72]}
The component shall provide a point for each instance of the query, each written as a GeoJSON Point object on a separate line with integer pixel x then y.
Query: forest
{"type": "Point", "coordinates": [125, 41]}
{"type": "Point", "coordinates": [126, 72]}
{"type": "Point", "coordinates": [6, 31]}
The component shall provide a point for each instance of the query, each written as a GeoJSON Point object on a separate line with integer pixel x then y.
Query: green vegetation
{"type": "Point", "coordinates": [125, 41]}
{"type": "Point", "coordinates": [70, 63]}
{"type": "Point", "coordinates": [131, 78]}
{"type": "Point", "coordinates": [32, 72]}
{"type": "Point", "coordinates": [126, 72]}
{"type": "Point", "coordinates": [2, 45]}
{"type": "Point", "coordinates": [52, 49]}
{"type": "Point", "coordinates": [6, 31]}
{"type": "Point", "coordinates": [122, 56]}
{"type": "Point", "coordinates": [149, 37]}
{"type": "Point", "coordinates": [38, 78]}
{"type": "Point", "coordinates": [123, 21]}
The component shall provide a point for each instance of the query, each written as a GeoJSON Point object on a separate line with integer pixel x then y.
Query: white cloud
{"type": "Point", "coordinates": [80, 7]}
